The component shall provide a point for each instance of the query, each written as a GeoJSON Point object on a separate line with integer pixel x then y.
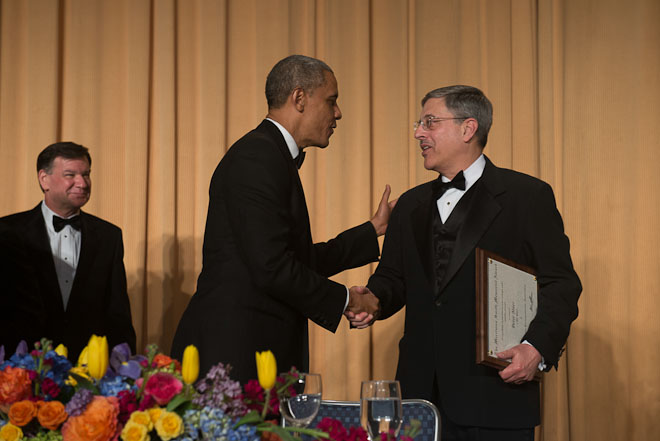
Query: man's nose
{"type": "Point", "coordinates": [81, 181]}
{"type": "Point", "coordinates": [337, 112]}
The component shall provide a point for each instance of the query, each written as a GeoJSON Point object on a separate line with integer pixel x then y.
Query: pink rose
{"type": "Point", "coordinates": [163, 387]}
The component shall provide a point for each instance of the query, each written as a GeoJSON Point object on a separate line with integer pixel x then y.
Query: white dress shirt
{"type": "Point", "coordinates": [450, 198]}
{"type": "Point", "coordinates": [65, 246]}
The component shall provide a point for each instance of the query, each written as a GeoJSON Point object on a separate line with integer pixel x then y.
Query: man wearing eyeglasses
{"type": "Point", "coordinates": [428, 265]}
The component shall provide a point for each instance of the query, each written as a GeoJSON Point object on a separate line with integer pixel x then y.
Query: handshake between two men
{"type": "Point", "coordinates": [363, 306]}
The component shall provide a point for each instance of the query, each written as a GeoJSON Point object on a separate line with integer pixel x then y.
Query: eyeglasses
{"type": "Point", "coordinates": [426, 123]}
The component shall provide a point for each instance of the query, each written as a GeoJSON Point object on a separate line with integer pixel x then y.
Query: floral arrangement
{"type": "Point", "coordinates": [115, 395]}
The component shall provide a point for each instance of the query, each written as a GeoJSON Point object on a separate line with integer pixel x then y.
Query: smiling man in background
{"type": "Point", "coordinates": [62, 269]}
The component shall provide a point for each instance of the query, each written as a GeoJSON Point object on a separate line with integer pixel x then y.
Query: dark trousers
{"type": "Point", "coordinates": [453, 432]}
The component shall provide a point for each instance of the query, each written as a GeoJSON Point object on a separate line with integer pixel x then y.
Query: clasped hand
{"type": "Point", "coordinates": [525, 360]}
{"type": "Point", "coordinates": [363, 307]}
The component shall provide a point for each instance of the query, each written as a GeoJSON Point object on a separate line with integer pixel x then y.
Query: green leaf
{"type": "Point", "coordinates": [252, 417]}
{"type": "Point", "coordinates": [177, 401]}
{"type": "Point", "coordinates": [287, 433]}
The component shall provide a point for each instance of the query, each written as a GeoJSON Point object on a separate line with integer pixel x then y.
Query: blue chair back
{"type": "Point", "coordinates": [348, 412]}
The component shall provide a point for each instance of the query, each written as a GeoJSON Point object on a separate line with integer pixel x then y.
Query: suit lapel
{"type": "Point", "coordinates": [39, 243]}
{"type": "Point", "coordinates": [299, 205]}
{"type": "Point", "coordinates": [483, 210]}
{"type": "Point", "coordinates": [420, 219]}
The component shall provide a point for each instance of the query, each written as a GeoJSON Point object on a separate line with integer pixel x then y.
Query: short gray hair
{"type": "Point", "coordinates": [294, 71]}
{"type": "Point", "coordinates": [467, 102]}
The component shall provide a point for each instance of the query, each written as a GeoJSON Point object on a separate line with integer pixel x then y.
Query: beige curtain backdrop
{"type": "Point", "coordinates": [158, 90]}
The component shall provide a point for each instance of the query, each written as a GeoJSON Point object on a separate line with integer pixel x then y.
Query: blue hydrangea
{"type": "Point", "coordinates": [25, 361]}
{"type": "Point", "coordinates": [112, 385]}
{"type": "Point", "coordinates": [60, 366]}
{"type": "Point", "coordinates": [213, 424]}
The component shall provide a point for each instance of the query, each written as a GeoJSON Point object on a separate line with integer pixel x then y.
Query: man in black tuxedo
{"type": "Point", "coordinates": [63, 269]}
{"type": "Point", "coordinates": [262, 275]}
{"type": "Point", "coordinates": [428, 265]}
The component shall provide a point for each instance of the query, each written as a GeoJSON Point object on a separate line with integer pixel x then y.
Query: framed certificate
{"type": "Point", "coordinates": [506, 303]}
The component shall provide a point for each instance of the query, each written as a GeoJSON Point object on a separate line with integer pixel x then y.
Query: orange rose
{"type": "Point", "coordinates": [97, 423]}
{"type": "Point", "coordinates": [51, 414]}
{"type": "Point", "coordinates": [22, 412]}
{"type": "Point", "coordinates": [162, 360]}
{"type": "Point", "coordinates": [15, 385]}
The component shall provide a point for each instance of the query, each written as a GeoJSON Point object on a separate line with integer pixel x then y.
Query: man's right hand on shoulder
{"type": "Point", "coordinates": [363, 307]}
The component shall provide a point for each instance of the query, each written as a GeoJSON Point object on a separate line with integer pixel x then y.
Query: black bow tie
{"type": "Point", "coordinates": [298, 160]}
{"type": "Point", "coordinates": [59, 223]}
{"type": "Point", "coordinates": [440, 187]}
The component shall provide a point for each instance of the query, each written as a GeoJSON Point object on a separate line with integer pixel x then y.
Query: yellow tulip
{"type": "Point", "coordinates": [97, 356]}
{"type": "Point", "coordinates": [190, 365]}
{"type": "Point", "coordinates": [266, 369]}
{"type": "Point", "coordinates": [82, 371]}
{"type": "Point", "coordinates": [82, 358]}
{"type": "Point", "coordinates": [61, 350]}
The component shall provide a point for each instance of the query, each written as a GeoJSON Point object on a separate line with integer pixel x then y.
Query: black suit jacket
{"type": "Point", "coordinates": [262, 275]}
{"type": "Point", "coordinates": [98, 303]}
{"type": "Point", "coordinates": [513, 215]}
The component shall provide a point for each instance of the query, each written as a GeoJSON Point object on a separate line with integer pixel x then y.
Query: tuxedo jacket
{"type": "Point", "coordinates": [262, 275]}
{"type": "Point", "coordinates": [32, 302]}
{"type": "Point", "coordinates": [514, 216]}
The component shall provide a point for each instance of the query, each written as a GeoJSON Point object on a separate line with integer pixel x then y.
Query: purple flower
{"type": "Point", "coordinates": [22, 348]}
{"type": "Point", "coordinates": [218, 391]}
{"type": "Point", "coordinates": [79, 402]}
{"type": "Point", "coordinates": [124, 364]}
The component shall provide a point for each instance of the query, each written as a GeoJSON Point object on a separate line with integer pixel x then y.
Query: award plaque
{"type": "Point", "coordinates": [506, 303]}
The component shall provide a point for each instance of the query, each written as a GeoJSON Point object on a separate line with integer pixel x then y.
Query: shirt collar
{"type": "Point", "coordinates": [290, 142]}
{"type": "Point", "coordinates": [48, 216]}
{"type": "Point", "coordinates": [472, 173]}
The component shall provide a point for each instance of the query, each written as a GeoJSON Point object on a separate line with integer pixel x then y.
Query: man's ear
{"type": "Point", "coordinates": [299, 98]}
{"type": "Point", "coordinates": [469, 128]}
{"type": "Point", "coordinates": [43, 180]}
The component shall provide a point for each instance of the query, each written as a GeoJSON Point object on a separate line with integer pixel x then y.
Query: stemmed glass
{"type": "Point", "coordinates": [300, 408]}
{"type": "Point", "coordinates": [380, 408]}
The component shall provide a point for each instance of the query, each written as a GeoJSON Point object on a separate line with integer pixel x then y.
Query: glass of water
{"type": "Point", "coordinates": [380, 408]}
{"type": "Point", "coordinates": [300, 407]}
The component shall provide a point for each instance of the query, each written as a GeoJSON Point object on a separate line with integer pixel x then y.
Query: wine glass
{"type": "Point", "coordinates": [380, 408]}
{"type": "Point", "coordinates": [300, 408]}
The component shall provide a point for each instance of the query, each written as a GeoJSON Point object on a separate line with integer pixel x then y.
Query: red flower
{"type": "Point", "coordinates": [334, 428]}
{"type": "Point", "coordinates": [147, 403]}
{"type": "Point", "coordinates": [127, 405]}
{"type": "Point", "coordinates": [50, 387]}
{"type": "Point", "coordinates": [163, 387]}
{"type": "Point", "coordinates": [253, 395]}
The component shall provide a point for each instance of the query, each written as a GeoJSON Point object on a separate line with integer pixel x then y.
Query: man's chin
{"type": "Point", "coordinates": [79, 202]}
{"type": "Point", "coordinates": [321, 144]}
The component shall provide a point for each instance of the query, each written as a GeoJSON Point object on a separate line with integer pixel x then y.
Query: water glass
{"type": "Point", "coordinates": [380, 408]}
{"type": "Point", "coordinates": [299, 409]}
